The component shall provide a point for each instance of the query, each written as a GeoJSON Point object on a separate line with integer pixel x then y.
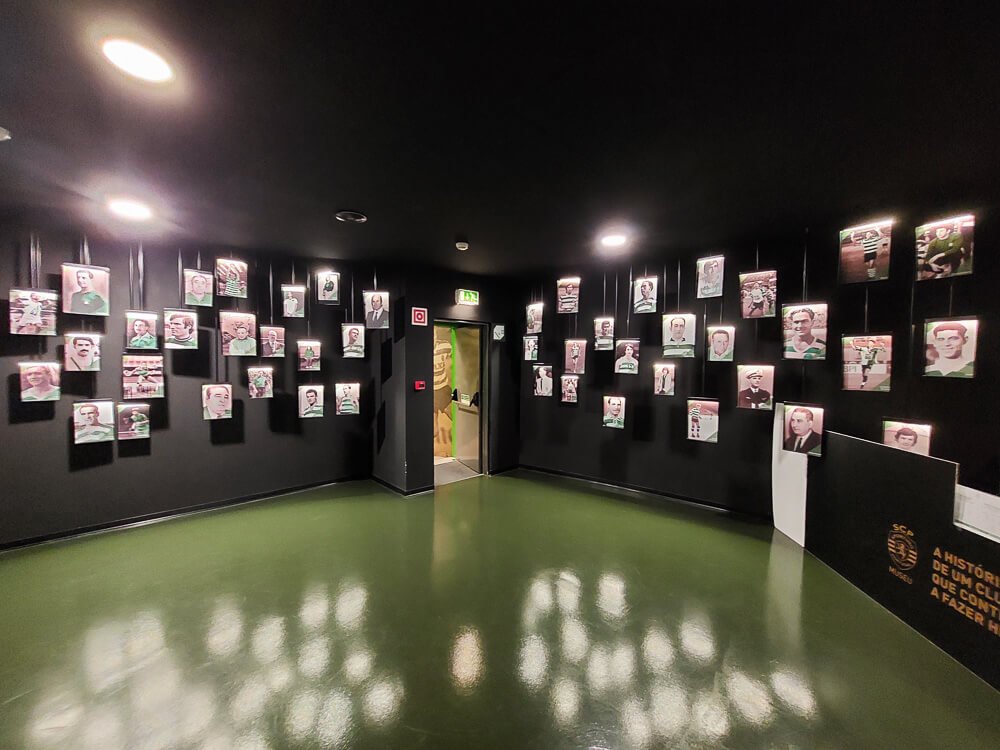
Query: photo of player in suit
{"type": "Point", "coordinates": [376, 309]}
{"type": "Point", "coordinates": [804, 429]}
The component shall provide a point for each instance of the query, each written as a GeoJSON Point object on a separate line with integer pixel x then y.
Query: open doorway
{"type": "Point", "coordinates": [459, 401]}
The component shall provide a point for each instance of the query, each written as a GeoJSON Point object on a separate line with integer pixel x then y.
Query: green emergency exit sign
{"type": "Point", "coordinates": [466, 297]}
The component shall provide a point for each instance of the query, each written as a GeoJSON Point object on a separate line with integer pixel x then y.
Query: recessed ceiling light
{"type": "Point", "coordinates": [614, 240]}
{"type": "Point", "coordinates": [130, 209]}
{"type": "Point", "coordinates": [4, 134]}
{"type": "Point", "coordinates": [351, 217]}
{"type": "Point", "coordinates": [461, 246]}
{"type": "Point", "coordinates": [136, 60]}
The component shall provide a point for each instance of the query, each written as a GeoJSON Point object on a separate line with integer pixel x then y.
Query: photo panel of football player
{"type": "Point", "coordinates": [944, 248]}
{"type": "Point", "coordinates": [721, 341]}
{"type": "Point", "coordinates": [679, 330]}
{"type": "Point", "coordinates": [543, 380]}
{"type": "Point", "coordinates": [568, 295]}
{"type": "Point", "coordinates": [867, 362]}
{"type": "Point", "coordinates": [804, 326]}
{"type": "Point", "coordinates": [950, 347]}
{"type": "Point", "coordinates": [575, 359]}
{"type": "Point", "coordinates": [614, 412]}
{"type": "Point", "coordinates": [759, 294]}
{"type": "Point", "coordinates": [710, 276]}
{"type": "Point", "coordinates": [533, 318]}
{"type": "Point", "coordinates": [755, 387]}
{"type": "Point", "coordinates": [644, 295]}
{"type": "Point", "coordinates": [604, 334]}
{"type": "Point", "coordinates": [627, 356]}
{"type": "Point", "coordinates": [911, 437]}
{"type": "Point", "coordinates": [864, 252]}
{"type": "Point", "coordinates": [703, 420]}
{"type": "Point", "coordinates": [663, 378]}
{"type": "Point", "coordinates": [804, 429]}
{"type": "Point", "coordinates": [570, 385]}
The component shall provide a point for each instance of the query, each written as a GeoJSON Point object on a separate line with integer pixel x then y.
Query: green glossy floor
{"type": "Point", "coordinates": [517, 611]}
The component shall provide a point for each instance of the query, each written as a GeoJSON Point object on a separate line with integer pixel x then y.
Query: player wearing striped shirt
{"type": "Point", "coordinates": [869, 243]}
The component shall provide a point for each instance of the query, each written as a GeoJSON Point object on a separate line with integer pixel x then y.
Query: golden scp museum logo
{"type": "Point", "coordinates": [902, 551]}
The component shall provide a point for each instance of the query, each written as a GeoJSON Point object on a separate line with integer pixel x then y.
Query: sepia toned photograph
{"type": "Point", "coordinates": [39, 381]}
{"type": "Point", "coordinates": [614, 412]}
{"type": "Point", "coordinates": [180, 329]}
{"type": "Point", "coordinates": [293, 301]}
{"type": "Point", "coordinates": [569, 386]}
{"type": "Point", "coordinates": [86, 289]}
{"type": "Point", "coordinates": [568, 293]}
{"type": "Point", "coordinates": [310, 401]}
{"type": "Point", "coordinates": [238, 332]}
{"type": "Point", "coordinates": [93, 421]}
{"type": "Point", "coordinates": [944, 248]}
{"type": "Point", "coordinates": [310, 353]}
{"type": "Point", "coordinates": [217, 401]}
{"type": "Point", "coordinates": [82, 352]}
{"type": "Point", "coordinates": [133, 421]}
{"type": "Point", "coordinates": [231, 277]}
{"type": "Point", "coordinates": [864, 252]}
{"type": "Point", "coordinates": [604, 334]}
{"type": "Point", "coordinates": [867, 362]}
{"type": "Point", "coordinates": [260, 382]}
{"type": "Point", "coordinates": [710, 275]}
{"type": "Point", "coordinates": [950, 347]}
{"type": "Point", "coordinates": [644, 295]}
{"type": "Point", "coordinates": [140, 330]}
{"type": "Point", "coordinates": [720, 343]}
{"type": "Point", "coordinates": [198, 288]}
{"type": "Point", "coordinates": [376, 309]}
{"type": "Point", "coordinates": [804, 330]}
{"type": "Point", "coordinates": [530, 348]}
{"type": "Point", "coordinates": [348, 397]}
{"type": "Point", "coordinates": [142, 376]}
{"type": "Point", "coordinates": [33, 312]}
{"type": "Point", "coordinates": [533, 318]}
{"type": "Point", "coordinates": [679, 330]}
{"type": "Point", "coordinates": [272, 341]}
{"type": "Point", "coordinates": [352, 336]}
{"type": "Point", "coordinates": [663, 378]}
{"type": "Point", "coordinates": [627, 356]}
{"type": "Point", "coordinates": [755, 387]}
{"type": "Point", "coordinates": [328, 287]}
{"type": "Point", "coordinates": [703, 420]}
{"type": "Point", "coordinates": [575, 356]}
{"type": "Point", "coordinates": [759, 294]}
{"type": "Point", "coordinates": [543, 380]}
{"type": "Point", "coordinates": [911, 437]}
{"type": "Point", "coordinates": [803, 429]}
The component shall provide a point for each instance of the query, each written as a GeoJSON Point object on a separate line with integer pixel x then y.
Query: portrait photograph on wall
{"type": "Point", "coordinates": [950, 347]}
{"type": "Point", "coordinates": [644, 295]}
{"type": "Point", "coordinates": [530, 348]}
{"type": "Point", "coordinates": [217, 401]}
{"type": "Point", "coordinates": [755, 387]}
{"type": "Point", "coordinates": [133, 421]}
{"type": "Point", "coordinates": [710, 276]}
{"type": "Point", "coordinates": [328, 287]}
{"type": "Point", "coordinates": [543, 380]}
{"type": "Point", "coordinates": [912, 437]}
{"type": "Point", "coordinates": [140, 330]}
{"type": "Point", "coordinates": [376, 309]}
{"type": "Point", "coordinates": [804, 330]}
{"type": "Point", "coordinates": [310, 356]}
{"type": "Point", "coordinates": [663, 378]}
{"type": "Point", "coordinates": [721, 341]}
{"type": "Point", "coordinates": [679, 330]}
{"type": "Point", "coordinates": [272, 341]}
{"type": "Point", "coordinates": [864, 252]}
{"type": "Point", "coordinates": [33, 312]}
{"type": "Point", "coordinates": [703, 420]}
{"type": "Point", "coordinates": [231, 277]}
{"type": "Point", "coordinates": [238, 332]}
{"type": "Point", "coordinates": [533, 318]}
{"type": "Point", "coordinates": [142, 376]}
{"type": "Point", "coordinates": [352, 336]}
{"type": "Point", "coordinates": [627, 356]}
{"type": "Point", "coordinates": [293, 301]}
{"type": "Point", "coordinates": [604, 334]}
{"type": "Point", "coordinates": [575, 359]}
{"type": "Point", "coordinates": [569, 386]}
{"type": "Point", "coordinates": [803, 429]}
{"type": "Point", "coordinates": [758, 294]}
{"type": "Point", "coordinates": [568, 294]}
{"type": "Point", "coordinates": [82, 352]}
{"type": "Point", "coordinates": [310, 401]}
{"type": "Point", "coordinates": [348, 398]}
{"type": "Point", "coordinates": [944, 248]}
{"type": "Point", "coordinates": [39, 381]}
{"type": "Point", "coordinates": [93, 421]}
{"type": "Point", "coordinates": [614, 412]}
{"type": "Point", "coordinates": [260, 382]}
{"type": "Point", "coordinates": [198, 288]}
{"type": "Point", "coordinates": [86, 289]}
{"type": "Point", "coordinates": [180, 329]}
{"type": "Point", "coordinates": [867, 362]}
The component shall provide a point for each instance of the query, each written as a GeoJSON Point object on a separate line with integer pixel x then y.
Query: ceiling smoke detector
{"type": "Point", "coordinates": [351, 217]}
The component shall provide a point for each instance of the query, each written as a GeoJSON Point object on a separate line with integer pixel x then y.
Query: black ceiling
{"type": "Point", "coordinates": [524, 130]}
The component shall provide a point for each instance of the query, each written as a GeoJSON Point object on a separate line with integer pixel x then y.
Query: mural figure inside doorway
{"type": "Point", "coordinates": [443, 362]}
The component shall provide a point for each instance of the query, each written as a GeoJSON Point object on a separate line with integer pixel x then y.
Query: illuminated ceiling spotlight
{"type": "Point", "coordinates": [351, 217]}
{"type": "Point", "coordinates": [136, 60]}
{"type": "Point", "coordinates": [614, 239]}
{"type": "Point", "coordinates": [4, 134]}
{"type": "Point", "coordinates": [129, 209]}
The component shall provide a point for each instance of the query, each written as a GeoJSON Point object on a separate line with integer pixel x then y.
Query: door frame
{"type": "Point", "coordinates": [485, 343]}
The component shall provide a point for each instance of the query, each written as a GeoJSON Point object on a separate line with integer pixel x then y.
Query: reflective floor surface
{"type": "Point", "coordinates": [517, 611]}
